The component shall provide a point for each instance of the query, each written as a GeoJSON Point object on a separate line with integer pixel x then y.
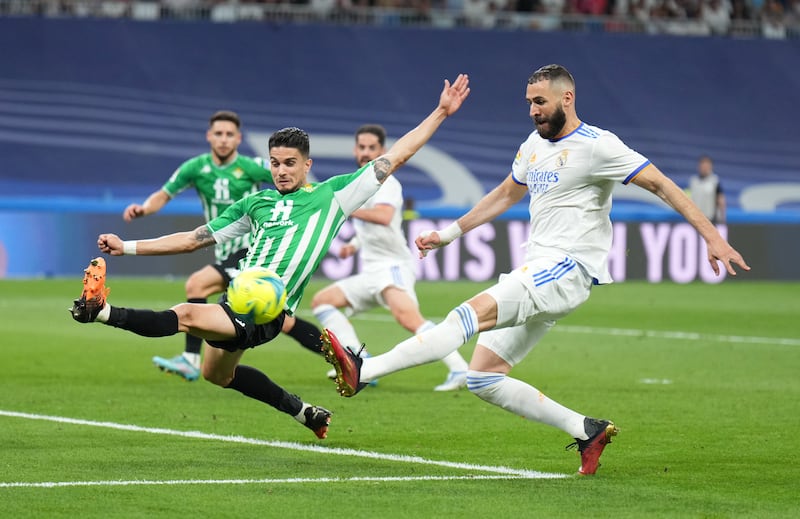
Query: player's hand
{"type": "Point", "coordinates": [427, 241]}
{"type": "Point", "coordinates": [453, 95]}
{"type": "Point", "coordinates": [110, 244]}
{"type": "Point", "coordinates": [723, 252]}
{"type": "Point", "coordinates": [133, 211]}
{"type": "Point", "coordinates": [347, 250]}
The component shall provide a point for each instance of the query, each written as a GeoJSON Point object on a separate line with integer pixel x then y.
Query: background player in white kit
{"type": "Point", "coordinates": [387, 276]}
{"type": "Point", "coordinates": [569, 170]}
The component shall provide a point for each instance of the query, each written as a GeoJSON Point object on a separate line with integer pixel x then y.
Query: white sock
{"type": "Point", "coordinates": [525, 400]}
{"type": "Point", "coordinates": [454, 361]}
{"type": "Point", "coordinates": [433, 344]}
{"type": "Point", "coordinates": [104, 314]}
{"type": "Point", "coordinates": [192, 358]}
{"type": "Point", "coordinates": [331, 318]}
{"type": "Point", "coordinates": [301, 416]}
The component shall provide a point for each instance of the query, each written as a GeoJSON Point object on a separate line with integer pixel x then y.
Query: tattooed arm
{"type": "Point", "coordinates": [406, 146]}
{"type": "Point", "coordinates": [178, 243]}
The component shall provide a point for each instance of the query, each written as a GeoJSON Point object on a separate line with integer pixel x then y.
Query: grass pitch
{"type": "Point", "coordinates": [702, 381]}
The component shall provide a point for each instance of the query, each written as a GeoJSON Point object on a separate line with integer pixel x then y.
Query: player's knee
{"type": "Point", "coordinates": [215, 377]}
{"type": "Point", "coordinates": [463, 318]}
{"type": "Point", "coordinates": [186, 316]}
{"type": "Point", "coordinates": [288, 324]}
{"type": "Point", "coordinates": [199, 286]}
{"type": "Point", "coordinates": [211, 372]}
{"type": "Point", "coordinates": [484, 384]}
{"type": "Point", "coordinates": [192, 286]}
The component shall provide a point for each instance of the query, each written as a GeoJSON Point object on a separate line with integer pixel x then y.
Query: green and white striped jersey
{"type": "Point", "coordinates": [219, 187]}
{"type": "Point", "coordinates": [292, 232]}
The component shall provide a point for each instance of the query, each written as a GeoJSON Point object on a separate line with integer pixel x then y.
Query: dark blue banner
{"type": "Point", "coordinates": [106, 109]}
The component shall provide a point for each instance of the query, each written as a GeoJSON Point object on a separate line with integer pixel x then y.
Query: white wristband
{"type": "Point", "coordinates": [450, 233]}
{"type": "Point", "coordinates": [129, 247]}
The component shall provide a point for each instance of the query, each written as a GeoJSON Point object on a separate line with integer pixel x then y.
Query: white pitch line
{"type": "Point", "coordinates": [506, 471]}
{"type": "Point", "coordinates": [142, 482]}
{"type": "Point", "coordinates": [632, 332]}
{"type": "Point", "coordinates": [677, 335]}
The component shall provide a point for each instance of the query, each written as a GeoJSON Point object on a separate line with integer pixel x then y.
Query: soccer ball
{"type": "Point", "coordinates": [257, 293]}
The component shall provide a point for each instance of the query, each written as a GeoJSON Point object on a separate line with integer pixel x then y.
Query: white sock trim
{"type": "Point", "coordinates": [467, 319]}
{"type": "Point", "coordinates": [104, 314]}
{"type": "Point", "coordinates": [301, 416]}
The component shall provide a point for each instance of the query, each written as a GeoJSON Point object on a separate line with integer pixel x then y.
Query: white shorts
{"type": "Point", "coordinates": [364, 291]}
{"type": "Point", "coordinates": [529, 301]}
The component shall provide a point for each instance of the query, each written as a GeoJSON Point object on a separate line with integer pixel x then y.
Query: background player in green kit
{"type": "Point", "coordinates": [293, 228]}
{"type": "Point", "coordinates": [220, 177]}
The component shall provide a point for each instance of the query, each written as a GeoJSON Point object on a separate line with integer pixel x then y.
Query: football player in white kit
{"type": "Point", "coordinates": [387, 277]}
{"type": "Point", "coordinates": [568, 168]}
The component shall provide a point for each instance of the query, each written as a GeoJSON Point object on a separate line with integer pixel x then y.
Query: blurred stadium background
{"type": "Point", "coordinates": [101, 100]}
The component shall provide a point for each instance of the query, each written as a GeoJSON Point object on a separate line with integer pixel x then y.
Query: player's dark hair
{"type": "Point", "coordinates": [291, 137]}
{"type": "Point", "coordinates": [554, 73]}
{"type": "Point", "coordinates": [225, 115]}
{"type": "Point", "coordinates": [375, 129]}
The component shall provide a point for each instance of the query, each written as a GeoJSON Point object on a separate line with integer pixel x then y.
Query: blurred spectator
{"type": "Point", "coordinates": [692, 8]}
{"type": "Point", "coordinates": [740, 10]}
{"type": "Point", "coordinates": [182, 9]}
{"type": "Point", "coordinates": [590, 7]}
{"type": "Point", "coordinates": [667, 9]}
{"type": "Point", "coordinates": [323, 7]}
{"type": "Point", "coordinates": [717, 16]}
{"type": "Point", "coordinates": [772, 22]}
{"type": "Point", "coordinates": [620, 8]}
{"type": "Point", "coordinates": [756, 6]}
{"type": "Point", "coordinates": [640, 10]}
{"type": "Point", "coordinates": [482, 13]}
{"type": "Point", "coordinates": [555, 7]}
{"type": "Point", "coordinates": [528, 6]}
{"type": "Point", "coordinates": [792, 16]}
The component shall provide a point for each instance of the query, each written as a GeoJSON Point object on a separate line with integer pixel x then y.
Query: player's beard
{"type": "Point", "coordinates": [363, 160]}
{"type": "Point", "coordinates": [555, 123]}
{"type": "Point", "coordinates": [223, 159]}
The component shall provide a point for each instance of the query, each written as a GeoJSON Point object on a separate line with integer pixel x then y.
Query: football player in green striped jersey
{"type": "Point", "coordinates": [221, 177]}
{"type": "Point", "coordinates": [293, 227]}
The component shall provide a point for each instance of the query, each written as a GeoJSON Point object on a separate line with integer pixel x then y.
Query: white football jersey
{"type": "Point", "coordinates": [570, 182]}
{"type": "Point", "coordinates": [382, 245]}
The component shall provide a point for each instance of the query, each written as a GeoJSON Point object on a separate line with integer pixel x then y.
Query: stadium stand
{"type": "Point", "coordinates": [775, 19]}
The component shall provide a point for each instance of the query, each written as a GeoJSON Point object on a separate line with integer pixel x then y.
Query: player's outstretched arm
{"type": "Point", "coordinates": [153, 204]}
{"type": "Point", "coordinates": [450, 101]}
{"type": "Point", "coordinates": [652, 179]}
{"type": "Point", "coordinates": [492, 205]}
{"type": "Point", "coordinates": [177, 243]}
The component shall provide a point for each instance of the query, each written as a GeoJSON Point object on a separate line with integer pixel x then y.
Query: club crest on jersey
{"type": "Point", "coordinates": [238, 172]}
{"type": "Point", "coordinates": [205, 169]}
{"type": "Point", "coordinates": [532, 159]}
{"type": "Point", "coordinates": [561, 161]}
{"type": "Point", "coordinates": [308, 188]}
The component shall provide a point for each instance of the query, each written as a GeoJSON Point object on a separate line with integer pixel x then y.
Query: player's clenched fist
{"type": "Point", "coordinates": [429, 240]}
{"type": "Point", "coordinates": [110, 244]}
